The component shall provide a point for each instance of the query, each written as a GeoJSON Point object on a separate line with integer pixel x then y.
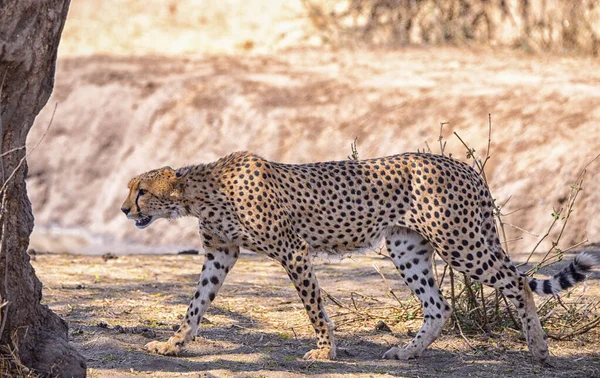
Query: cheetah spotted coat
{"type": "Point", "coordinates": [418, 203]}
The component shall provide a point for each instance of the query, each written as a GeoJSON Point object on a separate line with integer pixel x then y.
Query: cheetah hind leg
{"type": "Point", "coordinates": [413, 255]}
{"type": "Point", "coordinates": [516, 289]}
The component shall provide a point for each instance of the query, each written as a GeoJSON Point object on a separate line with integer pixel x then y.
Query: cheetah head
{"type": "Point", "coordinates": [153, 195]}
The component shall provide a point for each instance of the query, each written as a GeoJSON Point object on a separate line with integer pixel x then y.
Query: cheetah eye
{"type": "Point", "coordinates": [141, 192]}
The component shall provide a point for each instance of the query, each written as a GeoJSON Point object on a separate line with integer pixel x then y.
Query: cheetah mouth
{"type": "Point", "coordinates": [144, 222]}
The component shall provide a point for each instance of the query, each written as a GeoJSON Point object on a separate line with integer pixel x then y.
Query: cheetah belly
{"type": "Point", "coordinates": [344, 234]}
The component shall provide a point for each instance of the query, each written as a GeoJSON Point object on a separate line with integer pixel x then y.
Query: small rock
{"type": "Point", "coordinates": [137, 330]}
{"type": "Point", "coordinates": [153, 323]}
{"type": "Point", "coordinates": [206, 375]}
{"type": "Point", "coordinates": [109, 256]}
{"type": "Point", "coordinates": [144, 331]}
{"type": "Point", "coordinates": [77, 331]}
{"type": "Point", "coordinates": [189, 252]}
{"type": "Point", "coordinates": [102, 325]}
{"type": "Point", "coordinates": [381, 326]}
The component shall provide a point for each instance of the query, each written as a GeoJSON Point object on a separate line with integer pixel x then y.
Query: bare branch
{"type": "Point", "coordinates": [12, 150]}
{"type": "Point", "coordinates": [521, 229]}
{"type": "Point", "coordinates": [1, 127]}
{"type": "Point", "coordinates": [5, 183]}
{"type": "Point", "coordinates": [441, 138]}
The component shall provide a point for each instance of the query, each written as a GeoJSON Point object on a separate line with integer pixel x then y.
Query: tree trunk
{"type": "Point", "coordinates": [29, 36]}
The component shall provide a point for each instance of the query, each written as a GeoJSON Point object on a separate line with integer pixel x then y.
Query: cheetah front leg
{"type": "Point", "coordinates": [218, 261]}
{"type": "Point", "coordinates": [300, 270]}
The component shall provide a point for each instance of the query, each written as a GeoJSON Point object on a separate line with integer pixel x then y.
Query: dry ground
{"type": "Point", "coordinates": [257, 326]}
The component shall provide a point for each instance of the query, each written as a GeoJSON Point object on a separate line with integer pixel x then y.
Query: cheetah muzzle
{"type": "Point", "coordinates": [143, 222]}
{"type": "Point", "coordinates": [419, 204]}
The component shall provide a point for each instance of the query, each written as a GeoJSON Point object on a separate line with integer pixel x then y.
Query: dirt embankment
{"type": "Point", "coordinates": [118, 117]}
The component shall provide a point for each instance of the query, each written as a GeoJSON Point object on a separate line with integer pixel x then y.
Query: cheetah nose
{"type": "Point", "coordinates": [125, 210]}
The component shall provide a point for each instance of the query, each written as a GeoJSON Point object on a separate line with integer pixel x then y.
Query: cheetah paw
{"type": "Point", "coordinates": [400, 354]}
{"type": "Point", "coordinates": [320, 354]}
{"type": "Point", "coordinates": [164, 348]}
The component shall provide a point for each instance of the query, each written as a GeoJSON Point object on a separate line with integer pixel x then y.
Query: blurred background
{"type": "Point", "coordinates": [144, 84]}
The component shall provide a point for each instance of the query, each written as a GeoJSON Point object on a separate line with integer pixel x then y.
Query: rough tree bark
{"type": "Point", "coordinates": [29, 36]}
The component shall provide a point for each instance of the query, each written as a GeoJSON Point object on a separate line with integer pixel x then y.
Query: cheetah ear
{"type": "Point", "coordinates": [166, 170]}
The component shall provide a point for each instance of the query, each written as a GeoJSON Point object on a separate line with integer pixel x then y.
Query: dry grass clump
{"type": "Point", "coordinates": [483, 309]}
{"type": "Point", "coordinates": [11, 365]}
{"type": "Point", "coordinates": [556, 25]}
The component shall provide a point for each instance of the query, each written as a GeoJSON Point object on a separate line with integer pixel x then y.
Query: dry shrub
{"type": "Point", "coordinates": [544, 25]}
{"type": "Point", "coordinates": [478, 309]}
{"type": "Point", "coordinates": [483, 309]}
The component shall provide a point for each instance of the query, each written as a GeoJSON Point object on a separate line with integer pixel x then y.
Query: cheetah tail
{"type": "Point", "coordinates": [569, 276]}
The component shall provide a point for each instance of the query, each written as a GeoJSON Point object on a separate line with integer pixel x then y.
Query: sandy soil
{"type": "Point", "coordinates": [257, 326]}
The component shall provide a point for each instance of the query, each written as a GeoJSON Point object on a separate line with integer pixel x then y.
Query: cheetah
{"type": "Point", "coordinates": [419, 203]}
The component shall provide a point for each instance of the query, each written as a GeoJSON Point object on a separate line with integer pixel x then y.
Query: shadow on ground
{"type": "Point", "coordinates": [257, 326]}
